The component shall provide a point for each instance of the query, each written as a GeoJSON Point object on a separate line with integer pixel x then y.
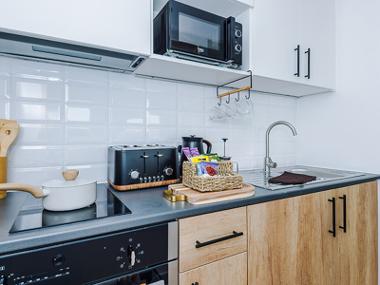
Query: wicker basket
{"type": "Point", "coordinates": [226, 180]}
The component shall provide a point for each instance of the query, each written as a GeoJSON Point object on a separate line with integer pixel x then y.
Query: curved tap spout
{"type": "Point", "coordinates": [268, 162]}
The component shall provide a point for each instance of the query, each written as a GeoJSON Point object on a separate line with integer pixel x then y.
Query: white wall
{"type": "Point", "coordinates": [341, 129]}
{"type": "Point", "coordinates": [70, 115]}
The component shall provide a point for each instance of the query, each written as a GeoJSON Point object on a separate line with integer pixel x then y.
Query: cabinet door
{"type": "Point", "coordinates": [358, 245]}
{"type": "Point", "coordinates": [284, 242]}
{"type": "Point", "coordinates": [274, 25]}
{"type": "Point", "coordinates": [228, 271]}
{"type": "Point", "coordinates": [119, 24]}
{"type": "Point", "coordinates": [316, 30]}
{"type": "Point", "coordinates": [350, 257]}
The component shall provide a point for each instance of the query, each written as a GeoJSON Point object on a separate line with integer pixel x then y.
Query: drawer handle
{"type": "Point", "coordinates": [234, 234]}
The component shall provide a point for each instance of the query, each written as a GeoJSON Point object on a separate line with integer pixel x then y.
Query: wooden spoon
{"type": "Point", "coordinates": [8, 133]}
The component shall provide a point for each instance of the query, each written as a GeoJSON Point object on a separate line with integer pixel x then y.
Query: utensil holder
{"type": "Point", "coordinates": [3, 175]}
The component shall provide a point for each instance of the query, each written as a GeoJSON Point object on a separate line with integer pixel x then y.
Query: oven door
{"type": "Point", "coordinates": [196, 32]}
{"type": "Point", "coordinates": [166, 274]}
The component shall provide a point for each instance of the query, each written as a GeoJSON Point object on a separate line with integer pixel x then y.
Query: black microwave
{"type": "Point", "coordinates": [187, 32]}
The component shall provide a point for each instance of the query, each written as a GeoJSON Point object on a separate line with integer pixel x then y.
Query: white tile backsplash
{"type": "Point", "coordinates": [69, 116]}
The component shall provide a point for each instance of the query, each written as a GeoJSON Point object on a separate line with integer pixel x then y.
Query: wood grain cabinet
{"type": "Point", "coordinates": [323, 238]}
{"type": "Point", "coordinates": [228, 271]}
{"type": "Point", "coordinates": [213, 248]}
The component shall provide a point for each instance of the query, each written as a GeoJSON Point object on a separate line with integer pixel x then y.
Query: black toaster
{"type": "Point", "coordinates": [135, 167]}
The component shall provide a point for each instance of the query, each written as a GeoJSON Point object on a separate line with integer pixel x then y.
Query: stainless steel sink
{"type": "Point", "coordinates": [257, 177]}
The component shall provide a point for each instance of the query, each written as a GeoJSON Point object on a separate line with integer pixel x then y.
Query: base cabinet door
{"type": "Point", "coordinates": [228, 271]}
{"type": "Point", "coordinates": [350, 257]}
{"type": "Point", "coordinates": [327, 238]}
{"type": "Point", "coordinates": [284, 242]}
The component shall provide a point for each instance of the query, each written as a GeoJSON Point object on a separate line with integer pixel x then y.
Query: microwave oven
{"type": "Point", "coordinates": [187, 32]}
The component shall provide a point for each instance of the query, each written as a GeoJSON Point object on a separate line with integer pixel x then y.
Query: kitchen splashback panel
{"type": "Point", "coordinates": [69, 116]}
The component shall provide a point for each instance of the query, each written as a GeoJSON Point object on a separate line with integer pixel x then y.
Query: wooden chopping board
{"type": "Point", "coordinates": [199, 198]}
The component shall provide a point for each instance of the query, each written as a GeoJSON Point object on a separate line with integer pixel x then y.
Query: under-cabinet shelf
{"type": "Point", "coordinates": [165, 67]}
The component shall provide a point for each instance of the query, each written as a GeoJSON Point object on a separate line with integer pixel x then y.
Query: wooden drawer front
{"type": "Point", "coordinates": [222, 234]}
{"type": "Point", "coordinates": [228, 271]}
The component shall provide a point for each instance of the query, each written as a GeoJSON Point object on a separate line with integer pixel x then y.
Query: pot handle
{"type": "Point", "coordinates": [36, 192]}
{"type": "Point", "coordinates": [209, 145]}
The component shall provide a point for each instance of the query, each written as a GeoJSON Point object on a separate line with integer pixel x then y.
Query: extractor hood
{"type": "Point", "coordinates": [42, 48]}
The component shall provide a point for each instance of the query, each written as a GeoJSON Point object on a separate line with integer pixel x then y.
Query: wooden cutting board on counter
{"type": "Point", "coordinates": [198, 198]}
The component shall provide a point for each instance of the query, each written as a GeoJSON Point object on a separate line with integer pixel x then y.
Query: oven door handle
{"type": "Point", "coordinates": [234, 234]}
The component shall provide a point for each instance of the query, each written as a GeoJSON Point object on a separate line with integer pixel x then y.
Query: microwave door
{"type": "Point", "coordinates": [197, 32]}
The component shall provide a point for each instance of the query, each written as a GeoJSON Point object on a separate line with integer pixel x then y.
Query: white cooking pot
{"type": "Point", "coordinates": [60, 195]}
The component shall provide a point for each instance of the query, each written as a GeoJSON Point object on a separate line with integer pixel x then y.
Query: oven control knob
{"type": "Point", "coordinates": [134, 174]}
{"type": "Point", "coordinates": [238, 47]}
{"type": "Point", "coordinates": [131, 256]}
{"type": "Point", "coordinates": [168, 171]}
{"type": "Point", "coordinates": [238, 33]}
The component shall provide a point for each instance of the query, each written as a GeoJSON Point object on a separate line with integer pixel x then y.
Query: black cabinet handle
{"type": "Point", "coordinates": [344, 227]}
{"type": "Point", "coordinates": [308, 52]}
{"type": "Point", "coordinates": [234, 234]}
{"type": "Point", "coordinates": [333, 230]}
{"type": "Point", "coordinates": [297, 49]}
{"type": "Point", "coordinates": [195, 283]}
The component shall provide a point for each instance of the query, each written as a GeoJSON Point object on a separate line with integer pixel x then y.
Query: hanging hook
{"type": "Point", "coordinates": [248, 96]}
{"type": "Point", "coordinates": [229, 99]}
{"type": "Point", "coordinates": [237, 99]}
{"type": "Point", "coordinates": [220, 101]}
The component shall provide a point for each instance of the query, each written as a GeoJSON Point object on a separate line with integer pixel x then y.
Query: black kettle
{"type": "Point", "coordinates": [193, 141]}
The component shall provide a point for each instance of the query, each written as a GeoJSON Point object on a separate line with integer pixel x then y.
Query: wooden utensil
{"type": "Point", "coordinates": [9, 130]}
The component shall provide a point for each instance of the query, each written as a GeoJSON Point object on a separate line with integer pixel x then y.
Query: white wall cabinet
{"type": "Point", "coordinates": [117, 24]}
{"type": "Point", "coordinates": [279, 26]}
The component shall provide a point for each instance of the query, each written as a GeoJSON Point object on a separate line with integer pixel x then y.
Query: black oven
{"type": "Point", "coordinates": [187, 32]}
{"type": "Point", "coordinates": [145, 256]}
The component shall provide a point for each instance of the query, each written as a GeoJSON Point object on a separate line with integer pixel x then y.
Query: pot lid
{"type": "Point", "coordinates": [69, 179]}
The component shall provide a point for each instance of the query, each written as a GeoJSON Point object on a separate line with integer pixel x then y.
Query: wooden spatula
{"type": "Point", "coordinates": [8, 133]}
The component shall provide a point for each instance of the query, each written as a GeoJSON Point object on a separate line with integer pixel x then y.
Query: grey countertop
{"type": "Point", "coordinates": [148, 207]}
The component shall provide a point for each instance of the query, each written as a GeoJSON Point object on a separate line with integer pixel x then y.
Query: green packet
{"type": "Point", "coordinates": [213, 157]}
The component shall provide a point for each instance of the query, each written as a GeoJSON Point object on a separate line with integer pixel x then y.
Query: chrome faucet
{"type": "Point", "coordinates": [268, 162]}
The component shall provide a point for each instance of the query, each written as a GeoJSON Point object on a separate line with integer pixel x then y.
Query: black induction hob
{"type": "Point", "coordinates": [33, 217]}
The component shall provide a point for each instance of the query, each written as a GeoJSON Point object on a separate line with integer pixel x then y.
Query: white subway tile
{"type": "Point", "coordinates": [190, 119]}
{"type": "Point", "coordinates": [97, 172]}
{"type": "Point", "coordinates": [37, 70]}
{"type": "Point", "coordinates": [35, 111]}
{"type": "Point", "coordinates": [91, 76]}
{"type": "Point", "coordinates": [86, 134]}
{"type": "Point", "coordinates": [163, 135]}
{"type": "Point", "coordinates": [37, 134]}
{"type": "Point", "coordinates": [161, 95]}
{"type": "Point", "coordinates": [161, 118]}
{"type": "Point", "coordinates": [126, 81]}
{"type": "Point", "coordinates": [86, 93]}
{"type": "Point", "coordinates": [84, 154]}
{"type": "Point", "coordinates": [92, 114]}
{"type": "Point", "coordinates": [4, 87]}
{"type": "Point", "coordinates": [35, 156]}
{"type": "Point", "coordinates": [4, 109]}
{"type": "Point", "coordinates": [190, 98]}
{"type": "Point", "coordinates": [34, 175]}
{"type": "Point", "coordinates": [127, 135]}
{"type": "Point", "coordinates": [122, 116]}
{"type": "Point", "coordinates": [38, 89]}
{"type": "Point", "coordinates": [130, 98]}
